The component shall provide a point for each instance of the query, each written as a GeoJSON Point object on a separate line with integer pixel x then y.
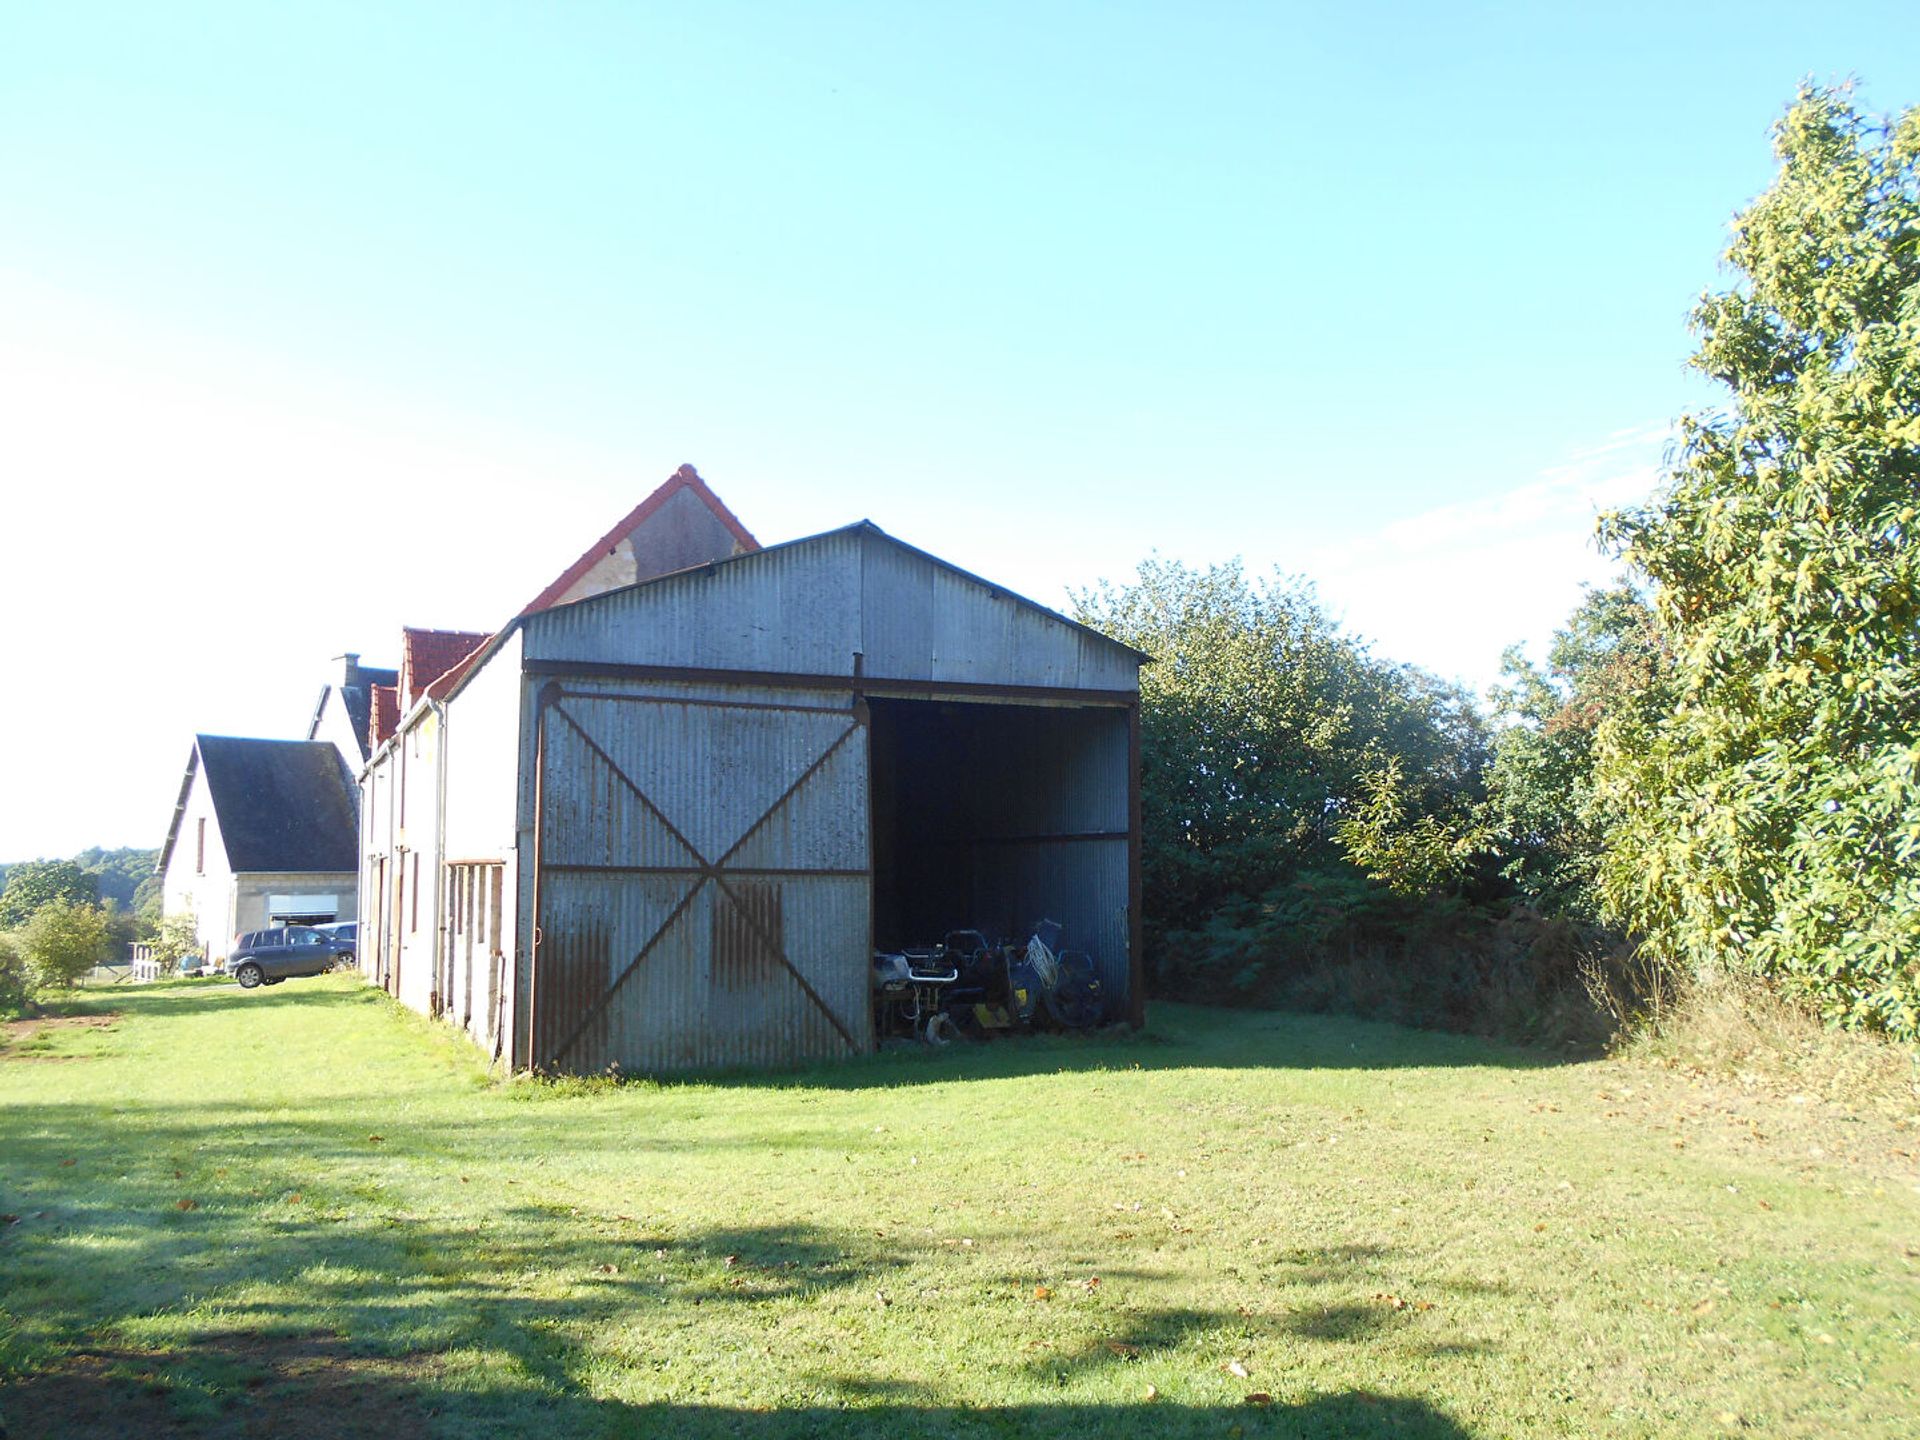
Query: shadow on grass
{"type": "Point", "coordinates": [316, 1387]}
{"type": "Point", "coordinates": [1177, 1037]}
{"type": "Point", "coordinates": [220, 1272]}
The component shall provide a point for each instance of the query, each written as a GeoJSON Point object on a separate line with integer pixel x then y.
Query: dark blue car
{"type": "Point", "coordinates": [266, 957]}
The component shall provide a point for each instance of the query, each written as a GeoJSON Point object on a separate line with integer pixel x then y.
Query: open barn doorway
{"type": "Point", "coordinates": [992, 817]}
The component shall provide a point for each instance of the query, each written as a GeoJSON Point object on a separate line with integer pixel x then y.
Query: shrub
{"type": "Point", "coordinates": [63, 941]}
{"type": "Point", "coordinates": [175, 938]}
{"type": "Point", "coordinates": [16, 991]}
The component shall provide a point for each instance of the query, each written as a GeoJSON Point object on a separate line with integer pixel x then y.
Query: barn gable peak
{"type": "Point", "coordinates": [681, 524]}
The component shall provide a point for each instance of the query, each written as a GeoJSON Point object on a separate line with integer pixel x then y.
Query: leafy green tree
{"type": "Point", "coordinates": [1544, 819]}
{"type": "Point", "coordinates": [1261, 724]}
{"type": "Point", "coordinates": [1770, 820]}
{"type": "Point", "coordinates": [149, 899]}
{"type": "Point", "coordinates": [119, 874]}
{"type": "Point", "coordinates": [36, 883]}
{"type": "Point", "coordinates": [16, 984]}
{"type": "Point", "coordinates": [63, 941]}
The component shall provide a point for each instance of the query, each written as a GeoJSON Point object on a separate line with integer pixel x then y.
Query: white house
{"type": "Point", "coordinates": [263, 834]}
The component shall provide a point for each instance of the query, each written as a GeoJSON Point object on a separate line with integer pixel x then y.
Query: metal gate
{"type": "Point", "coordinates": [702, 880]}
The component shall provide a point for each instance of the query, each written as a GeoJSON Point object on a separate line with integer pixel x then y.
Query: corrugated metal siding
{"type": "Point", "coordinates": [1067, 775]}
{"type": "Point", "coordinates": [1081, 885]}
{"type": "Point", "coordinates": [792, 609]}
{"type": "Point", "coordinates": [705, 994]}
{"type": "Point", "coordinates": [809, 607]}
{"type": "Point", "coordinates": [923, 621]}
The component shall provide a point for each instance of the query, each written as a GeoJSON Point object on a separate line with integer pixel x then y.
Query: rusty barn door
{"type": "Point", "coordinates": [702, 880]}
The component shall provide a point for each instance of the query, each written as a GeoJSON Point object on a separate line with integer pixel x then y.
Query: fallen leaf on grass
{"type": "Point", "coordinates": [295, 1198]}
{"type": "Point", "coordinates": [1705, 1307]}
{"type": "Point", "coordinates": [1259, 1397]}
{"type": "Point", "coordinates": [609, 1269]}
{"type": "Point", "coordinates": [65, 1163]}
{"type": "Point", "coordinates": [1237, 1370]}
{"type": "Point", "coordinates": [1121, 1347]}
{"type": "Point", "coordinates": [1041, 1292]}
{"type": "Point", "coordinates": [376, 1139]}
{"type": "Point", "coordinates": [186, 1204]}
{"type": "Point", "coordinates": [1824, 1339]}
{"type": "Point", "coordinates": [881, 1296]}
{"type": "Point", "coordinates": [1152, 1393]}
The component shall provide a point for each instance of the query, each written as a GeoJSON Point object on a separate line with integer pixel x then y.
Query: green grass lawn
{"type": "Point", "coordinates": [303, 1211]}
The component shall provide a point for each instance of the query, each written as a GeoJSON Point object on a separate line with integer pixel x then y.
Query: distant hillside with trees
{"type": "Point", "coordinates": [124, 876]}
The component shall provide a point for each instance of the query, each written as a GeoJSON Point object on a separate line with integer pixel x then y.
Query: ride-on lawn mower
{"type": "Point", "coordinates": [971, 985]}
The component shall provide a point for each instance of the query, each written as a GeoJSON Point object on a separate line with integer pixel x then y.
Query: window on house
{"type": "Point", "coordinates": [200, 852]}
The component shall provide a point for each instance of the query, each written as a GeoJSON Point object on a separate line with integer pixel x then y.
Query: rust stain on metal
{"type": "Point", "coordinates": [751, 908]}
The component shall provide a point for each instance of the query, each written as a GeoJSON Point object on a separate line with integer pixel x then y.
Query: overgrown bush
{"type": "Point", "coordinates": [63, 941]}
{"type": "Point", "coordinates": [1260, 725]}
{"type": "Point", "coordinates": [16, 989]}
{"type": "Point", "coordinates": [1340, 941]}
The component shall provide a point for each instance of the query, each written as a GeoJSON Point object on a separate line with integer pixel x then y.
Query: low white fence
{"type": "Point", "coordinates": [144, 966]}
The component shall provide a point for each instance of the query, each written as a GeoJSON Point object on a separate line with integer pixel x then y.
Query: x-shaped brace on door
{"type": "Point", "coordinates": [708, 870]}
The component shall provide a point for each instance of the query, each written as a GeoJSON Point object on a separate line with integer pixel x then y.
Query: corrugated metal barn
{"type": "Point", "coordinates": [735, 781]}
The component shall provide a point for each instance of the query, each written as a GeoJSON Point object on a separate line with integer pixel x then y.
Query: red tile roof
{"type": "Point", "coordinates": [385, 716]}
{"type": "Point", "coordinates": [426, 655]}
{"type": "Point", "coordinates": [442, 686]}
{"type": "Point", "coordinates": [685, 478]}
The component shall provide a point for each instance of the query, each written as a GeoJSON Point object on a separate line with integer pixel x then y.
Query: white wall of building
{"type": "Point", "coordinates": [197, 881]}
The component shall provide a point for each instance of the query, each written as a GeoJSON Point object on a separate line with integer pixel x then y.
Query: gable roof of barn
{"type": "Point", "coordinates": [831, 627]}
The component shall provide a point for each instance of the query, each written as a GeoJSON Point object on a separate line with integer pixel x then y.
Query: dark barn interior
{"type": "Point", "coordinates": [995, 816]}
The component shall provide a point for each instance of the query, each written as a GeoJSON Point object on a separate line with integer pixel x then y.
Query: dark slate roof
{"type": "Point", "coordinates": [359, 702]}
{"type": "Point", "coordinates": [282, 804]}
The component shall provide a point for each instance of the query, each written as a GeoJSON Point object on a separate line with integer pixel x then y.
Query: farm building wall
{"type": "Point", "coordinates": [399, 825]}
{"type": "Point", "coordinates": [810, 607]}
{"type": "Point", "coordinates": [481, 848]}
{"type": "Point", "coordinates": [699, 877]}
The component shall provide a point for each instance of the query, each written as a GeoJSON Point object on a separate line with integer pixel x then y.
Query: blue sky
{"type": "Point", "coordinates": [318, 320]}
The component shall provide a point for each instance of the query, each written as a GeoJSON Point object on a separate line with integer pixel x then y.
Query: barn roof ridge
{"type": "Point", "coordinates": [478, 660]}
{"type": "Point", "coordinates": [867, 527]}
{"type": "Point", "coordinates": [685, 478]}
